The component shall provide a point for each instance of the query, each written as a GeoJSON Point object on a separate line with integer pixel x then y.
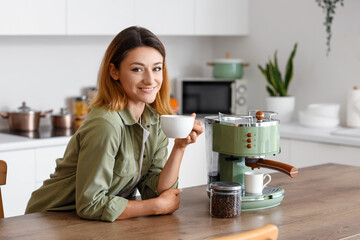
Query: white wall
{"type": "Point", "coordinates": [45, 71]}
{"type": "Point", "coordinates": [278, 24]}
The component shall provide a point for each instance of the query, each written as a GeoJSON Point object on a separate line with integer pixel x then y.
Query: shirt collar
{"type": "Point", "coordinates": [149, 116]}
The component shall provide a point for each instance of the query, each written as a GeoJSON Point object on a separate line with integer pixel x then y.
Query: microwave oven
{"type": "Point", "coordinates": [205, 96]}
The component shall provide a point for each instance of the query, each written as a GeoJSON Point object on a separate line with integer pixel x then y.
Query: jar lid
{"type": "Point", "coordinates": [225, 186]}
{"type": "Point", "coordinates": [81, 98]}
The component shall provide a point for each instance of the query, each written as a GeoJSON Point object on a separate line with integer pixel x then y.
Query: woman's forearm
{"type": "Point", "coordinates": [170, 172]}
{"type": "Point", "coordinates": [139, 208]}
{"type": "Point", "coordinates": [167, 202]}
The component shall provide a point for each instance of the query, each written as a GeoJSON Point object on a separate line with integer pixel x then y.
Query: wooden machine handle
{"type": "Point", "coordinates": [279, 166]}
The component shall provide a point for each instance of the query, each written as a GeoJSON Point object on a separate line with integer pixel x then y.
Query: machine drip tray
{"type": "Point", "coordinates": [271, 197]}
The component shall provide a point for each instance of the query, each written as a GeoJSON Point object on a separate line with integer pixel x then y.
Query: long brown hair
{"type": "Point", "coordinates": [110, 93]}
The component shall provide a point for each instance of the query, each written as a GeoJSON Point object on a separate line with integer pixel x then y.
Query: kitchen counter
{"type": "Point", "coordinates": [338, 135]}
{"type": "Point", "coordinates": [308, 211]}
{"type": "Point", "coordinates": [10, 142]}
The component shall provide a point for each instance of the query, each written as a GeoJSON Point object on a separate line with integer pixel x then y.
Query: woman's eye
{"type": "Point", "coordinates": [136, 69]}
{"type": "Point", "coordinates": [157, 69]}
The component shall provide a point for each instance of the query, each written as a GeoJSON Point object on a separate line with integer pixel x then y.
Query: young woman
{"type": "Point", "coordinates": [120, 147]}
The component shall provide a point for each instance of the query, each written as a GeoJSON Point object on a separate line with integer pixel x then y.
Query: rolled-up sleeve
{"type": "Point", "coordinates": [98, 148]}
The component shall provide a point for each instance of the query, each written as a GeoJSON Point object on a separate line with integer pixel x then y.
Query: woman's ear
{"type": "Point", "coordinates": [113, 72]}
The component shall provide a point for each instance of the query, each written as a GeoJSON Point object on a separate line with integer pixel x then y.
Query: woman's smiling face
{"type": "Point", "coordinates": [140, 74]}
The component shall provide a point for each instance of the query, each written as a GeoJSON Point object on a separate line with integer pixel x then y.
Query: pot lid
{"type": "Point", "coordinates": [228, 60]}
{"type": "Point", "coordinates": [25, 109]}
{"type": "Point", "coordinates": [63, 112]}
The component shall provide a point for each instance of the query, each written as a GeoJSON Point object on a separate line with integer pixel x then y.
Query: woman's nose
{"type": "Point", "coordinates": [149, 77]}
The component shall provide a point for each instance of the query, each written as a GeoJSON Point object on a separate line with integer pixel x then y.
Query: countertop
{"type": "Point", "coordinates": [10, 142]}
{"type": "Point", "coordinates": [308, 211]}
{"type": "Point", "coordinates": [339, 135]}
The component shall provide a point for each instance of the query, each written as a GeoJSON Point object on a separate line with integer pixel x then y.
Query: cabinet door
{"type": "Point", "coordinates": [164, 17]}
{"type": "Point", "coordinates": [99, 17]}
{"type": "Point", "coordinates": [32, 17]}
{"type": "Point", "coordinates": [45, 162]}
{"type": "Point", "coordinates": [20, 181]}
{"type": "Point", "coordinates": [305, 154]}
{"type": "Point", "coordinates": [221, 17]}
{"type": "Point", "coordinates": [193, 171]}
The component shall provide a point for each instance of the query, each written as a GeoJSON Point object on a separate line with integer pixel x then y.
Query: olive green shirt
{"type": "Point", "coordinates": [104, 162]}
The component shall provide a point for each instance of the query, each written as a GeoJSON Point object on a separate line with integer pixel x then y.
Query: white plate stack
{"type": "Point", "coordinates": [321, 115]}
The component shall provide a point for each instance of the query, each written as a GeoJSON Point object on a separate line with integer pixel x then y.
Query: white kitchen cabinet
{"type": "Point", "coordinates": [20, 181]}
{"type": "Point", "coordinates": [45, 162]}
{"type": "Point", "coordinates": [301, 153]}
{"type": "Point", "coordinates": [32, 17]}
{"type": "Point", "coordinates": [99, 17]}
{"type": "Point", "coordinates": [164, 17]}
{"type": "Point", "coordinates": [108, 17]}
{"type": "Point", "coordinates": [305, 153]}
{"type": "Point", "coordinates": [222, 17]}
{"type": "Point", "coordinates": [193, 171]}
{"type": "Point", "coordinates": [27, 169]}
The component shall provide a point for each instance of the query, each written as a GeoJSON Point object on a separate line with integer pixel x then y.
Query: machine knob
{"type": "Point", "coordinates": [249, 135]}
{"type": "Point", "coordinates": [249, 145]}
{"type": "Point", "coordinates": [249, 140]}
{"type": "Point", "coordinates": [260, 115]}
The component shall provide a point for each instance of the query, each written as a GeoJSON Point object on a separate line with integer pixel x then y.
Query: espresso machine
{"type": "Point", "coordinates": [238, 144]}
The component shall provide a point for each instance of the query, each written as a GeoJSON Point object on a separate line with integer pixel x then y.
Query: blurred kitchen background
{"type": "Point", "coordinates": [45, 67]}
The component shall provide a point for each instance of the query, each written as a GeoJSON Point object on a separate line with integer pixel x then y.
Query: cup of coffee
{"type": "Point", "coordinates": [177, 126]}
{"type": "Point", "coordinates": [254, 182]}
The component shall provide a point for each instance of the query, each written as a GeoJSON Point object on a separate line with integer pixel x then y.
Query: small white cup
{"type": "Point", "coordinates": [254, 182]}
{"type": "Point", "coordinates": [177, 126]}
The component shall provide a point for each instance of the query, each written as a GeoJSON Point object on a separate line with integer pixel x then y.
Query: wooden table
{"type": "Point", "coordinates": [322, 202]}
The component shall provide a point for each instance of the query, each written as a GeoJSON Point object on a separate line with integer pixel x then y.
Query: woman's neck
{"type": "Point", "coordinates": [137, 110]}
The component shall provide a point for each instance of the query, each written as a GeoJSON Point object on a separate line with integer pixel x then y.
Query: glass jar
{"type": "Point", "coordinates": [225, 199]}
{"type": "Point", "coordinates": [80, 109]}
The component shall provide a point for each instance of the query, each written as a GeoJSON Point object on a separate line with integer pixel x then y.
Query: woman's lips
{"type": "Point", "coordinates": [148, 90]}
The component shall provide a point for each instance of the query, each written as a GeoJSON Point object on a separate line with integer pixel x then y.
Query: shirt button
{"type": "Point", "coordinates": [147, 126]}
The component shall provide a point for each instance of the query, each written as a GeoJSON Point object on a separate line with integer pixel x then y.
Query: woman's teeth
{"type": "Point", "coordinates": [147, 89]}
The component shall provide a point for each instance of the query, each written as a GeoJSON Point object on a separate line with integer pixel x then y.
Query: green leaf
{"type": "Point", "coordinates": [289, 68]}
{"type": "Point", "coordinates": [270, 91]}
{"type": "Point", "coordinates": [278, 83]}
{"type": "Point", "coordinates": [271, 78]}
{"type": "Point", "coordinates": [276, 65]}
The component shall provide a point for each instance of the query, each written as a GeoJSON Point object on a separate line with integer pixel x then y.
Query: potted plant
{"type": "Point", "coordinates": [279, 100]}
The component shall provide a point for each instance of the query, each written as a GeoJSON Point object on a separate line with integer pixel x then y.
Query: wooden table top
{"type": "Point", "coordinates": [322, 202]}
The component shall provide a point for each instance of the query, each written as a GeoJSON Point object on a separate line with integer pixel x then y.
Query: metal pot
{"type": "Point", "coordinates": [228, 68]}
{"type": "Point", "coordinates": [63, 119]}
{"type": "Point", "coordinates": [25, 119]}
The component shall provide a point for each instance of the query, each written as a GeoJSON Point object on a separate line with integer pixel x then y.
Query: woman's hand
{"type": "Point", "coordinates": [196, 131]}
{"type": "Point", "coordinates": [168, 201]}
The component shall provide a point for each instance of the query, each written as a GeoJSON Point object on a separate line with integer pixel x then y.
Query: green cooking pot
{"type": "Point", "coordinates": [228, 68]}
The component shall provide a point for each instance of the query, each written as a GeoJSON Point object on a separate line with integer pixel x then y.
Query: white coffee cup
{"type": "Point", "coordinates": [254, 182]}
{"type": "Point", "coordinates": [177, 126]}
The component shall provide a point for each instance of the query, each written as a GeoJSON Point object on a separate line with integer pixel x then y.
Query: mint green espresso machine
{"type": "Point", "coordinates": [238, 144]}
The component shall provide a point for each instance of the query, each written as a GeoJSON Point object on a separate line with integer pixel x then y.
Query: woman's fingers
{"type": "Point", "coordinates": [198, 127]}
